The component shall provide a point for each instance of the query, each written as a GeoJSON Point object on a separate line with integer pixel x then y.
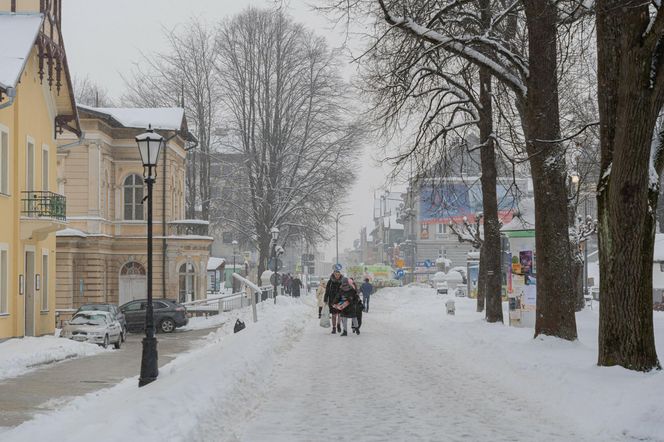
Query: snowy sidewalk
{"type": "Point", "coordinates": [414, 374]}
{"type": "Point", "coordinates": [397, 381]}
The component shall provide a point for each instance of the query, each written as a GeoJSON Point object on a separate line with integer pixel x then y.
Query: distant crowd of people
{"type": "Point", "coordinates": [291, 285]}
{"type": "Point", "coordinates": [342, 296]}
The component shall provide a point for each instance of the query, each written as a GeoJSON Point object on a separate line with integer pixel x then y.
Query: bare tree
{"type": "Point", "coordinates": [89, 93]}
{"type": "Point", "coordinates": [284, 104]}
{"type": "Point", "coordinates": [184, 75]}
{"type": "Point", "coordinates": [525, 63]}
{"type": "Point", "coordinates": [630, 47]}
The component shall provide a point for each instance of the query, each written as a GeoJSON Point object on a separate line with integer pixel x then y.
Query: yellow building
{"type": "Point", "coordinates": [36, 105]}
{"type": "Point", "coordinates": [102, 255]}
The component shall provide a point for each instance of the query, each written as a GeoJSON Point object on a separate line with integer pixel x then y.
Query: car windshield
{"type": "Point", "coordinates": [89, 319]}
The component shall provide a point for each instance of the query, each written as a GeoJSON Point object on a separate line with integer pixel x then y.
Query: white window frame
{"type": "Point", "coordinates": [4, 285]}
{"type": "Point", "coordinates": [4, 162]}
{"type": "Point", "coordinates": [29, 186]}
{"type": "Point", "coordinates": [46, 172]}
{"type": "Point", "coordinates": [136, 206]}
{"type": "Point", "coordinates": [45, 273]}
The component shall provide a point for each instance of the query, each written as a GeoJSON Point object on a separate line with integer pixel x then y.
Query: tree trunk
{"type": "Point", "coordinates": [481, 282]}
{"type": "Point", "coordinates": [577, 279]}
{"type": "Point", "coordinates": [629, 102]}
{"type": "Point", "coordinates": [555, 298]}
{"type": "Point", "coordinates": [263, 257]}
{"type": "Point", "coordinates": [490, 257]}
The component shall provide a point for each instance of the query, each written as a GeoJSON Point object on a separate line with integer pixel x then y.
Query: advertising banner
{"type": "Point", "coordinates": [452, 201]}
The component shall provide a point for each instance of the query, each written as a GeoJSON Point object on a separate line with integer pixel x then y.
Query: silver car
{"type": "Point", "coordinates": [96, 327]}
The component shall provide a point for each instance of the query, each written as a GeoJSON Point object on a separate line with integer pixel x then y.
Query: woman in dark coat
{"type": "Point", "coordinates": [348, 302]}
{"type": "Point", "coordinates": [332, 298]}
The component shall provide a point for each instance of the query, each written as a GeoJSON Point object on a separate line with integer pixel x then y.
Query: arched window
{"type": "Point", "coordinates": [132, 268]}
{"type": "Point", "coordinates": [133, 198]}
{"type": "Point", "coordinates": [187, 284]}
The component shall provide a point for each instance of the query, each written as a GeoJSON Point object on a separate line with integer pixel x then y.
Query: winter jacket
{"type": "Point", "coordinates": [320, 294]}
{"type": "Point", "coordinates": [366, 289]}
{"type": "Point", "coordinates": [351, 296]}
{"type": "Point", "coordinates": [295, 286]}
{"type": "Point", "coordinates": [332, 289]}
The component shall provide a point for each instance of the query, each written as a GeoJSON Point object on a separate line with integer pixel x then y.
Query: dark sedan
{"type": "Point", "coordinates": [168, 315]}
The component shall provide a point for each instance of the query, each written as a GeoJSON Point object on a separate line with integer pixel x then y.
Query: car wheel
{"type": "Point", "coordinates": [105, 344]}
{"type": "Point", "coordinates": [167, 325]}
{"type": "Point", "coordinates": [118, 343]}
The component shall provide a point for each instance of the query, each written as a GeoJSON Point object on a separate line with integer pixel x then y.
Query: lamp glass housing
{"type": "Point", "coordinates": [149, 145]}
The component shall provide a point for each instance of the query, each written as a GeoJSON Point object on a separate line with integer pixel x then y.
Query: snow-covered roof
{"type": "Point", "coordinates": [659, 248]}
{"type": "Point", "coordinates": [524, 219]}
{"type": "Point", "coordinates": [198, 222]}
{"type": "Point", "coordinates": [214, 263]}
{"type": "Point", "coordinates": [18, 33]}
{"type": "Point", "coordinates": [165, 118]}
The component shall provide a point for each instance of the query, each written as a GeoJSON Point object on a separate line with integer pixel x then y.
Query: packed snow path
{"type": "Point", "coordinates": [396, 381]}
{"type": "Point", "coordinates": [414, 374]}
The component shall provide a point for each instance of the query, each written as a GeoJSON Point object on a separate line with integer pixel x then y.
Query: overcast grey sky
{"type": "Point", "coordinates": [104, 38]}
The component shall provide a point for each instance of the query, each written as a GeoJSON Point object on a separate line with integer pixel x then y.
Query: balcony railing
{"type": "Point", "coordinates": [44, 204]}
{"type": "Point", "coordinates": [187, 227]}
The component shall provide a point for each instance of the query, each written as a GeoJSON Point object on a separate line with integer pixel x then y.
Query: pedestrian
{"type": "Point", "coordinates": [366, 289]}
{"type": "Point", "coordinates": [320, 295]}
{"type": "Point", "coordinates": [332, 297]}
{"type": "Point", "coordinates": [348, 300]}
{"type": "Point", "coordinates": [296, 285]}
{"type": "Point", "coordinates": [285, 281]}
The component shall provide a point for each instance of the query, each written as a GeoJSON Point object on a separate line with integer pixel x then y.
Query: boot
{"type": "Point", "coordinates": [334, 331]}
{"type": "Point", "coordinates": [357, 330]}
{"type": "Point", "coordinates": [339, 328]}
{"type": "Point", "coordinates": [344, 333]}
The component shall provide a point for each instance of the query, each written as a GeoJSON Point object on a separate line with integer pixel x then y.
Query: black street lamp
{"type": "Point", "coordinates": [275, 236]}
{"type": "Point", "coordinates": [149, 144]}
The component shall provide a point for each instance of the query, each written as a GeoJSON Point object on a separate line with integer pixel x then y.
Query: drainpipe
{"type": "Point", "coordinates": [11, 95]}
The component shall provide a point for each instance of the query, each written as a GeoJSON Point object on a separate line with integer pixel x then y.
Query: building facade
{"type": "Point", "coordinates": [102, 254]}
{"type": "Point", "coordinates": [36, 107]}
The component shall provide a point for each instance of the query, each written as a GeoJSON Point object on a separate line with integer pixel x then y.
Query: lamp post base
{"type": "Point", "coordinates": [149, 362]}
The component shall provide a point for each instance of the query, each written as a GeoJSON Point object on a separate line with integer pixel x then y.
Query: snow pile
{"type": "Point", "coordinates": [18, 356]}
{"type": "Point", "coordinates": [205, 388]}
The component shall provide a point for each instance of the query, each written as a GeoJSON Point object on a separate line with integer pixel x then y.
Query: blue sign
{"type": "Point", "coordinates": [428, 263]}
{"type": "Point", "coordinates": [399, 273]}
{"type": "Point", "coordinates": [338, 267]}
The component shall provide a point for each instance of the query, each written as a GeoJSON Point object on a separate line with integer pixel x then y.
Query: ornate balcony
{"type": "Point", "coordinates": [188, 227]}
{"type": "Point", "coordinates": [42, 212]}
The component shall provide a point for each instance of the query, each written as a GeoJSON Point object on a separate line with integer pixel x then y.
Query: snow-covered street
{"type": "Point", "coordinates": [414, 373]}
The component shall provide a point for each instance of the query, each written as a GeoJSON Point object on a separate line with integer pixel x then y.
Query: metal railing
{"type": "Point", "coordinates": [250, 294]}
{"type": "Point", "coordinates": [44, 204]}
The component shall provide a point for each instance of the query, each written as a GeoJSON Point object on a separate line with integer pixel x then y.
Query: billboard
{"type": "Point", "coordinates": [451, 201]}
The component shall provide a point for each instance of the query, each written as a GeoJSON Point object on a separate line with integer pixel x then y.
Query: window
{"type": "Point", "coordinates": [133, 306]}
{"type": "Point", "coordinates": [442, 228]}
{"type": "Point", "coordinates": [133, 198]}
{"type": "Point", "coordinates": [187, 282]}
{"type": "Point", "coordinates": [661, 267]}
{"type": "Point", "coordinates": [45, 167]}
{"type": "Point", "coordinates": [4, 161]}
{"type": "Point", "coordinates": [4, 279]}
{"type": "Point", "coordinates": [44, 281]}
{"type": "Point", "coordinates": [30, 166]}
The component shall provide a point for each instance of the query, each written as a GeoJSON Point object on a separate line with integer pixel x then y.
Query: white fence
{"type": "Point", "coordinates": [249, 294]}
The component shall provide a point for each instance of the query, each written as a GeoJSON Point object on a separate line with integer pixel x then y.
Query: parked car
{"type": "Point", "coordinates": [95, 326]}
{"type": "Point", "coordinates": [168, 315]}
{"type": "Point", "coordinates": [113, 309]}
